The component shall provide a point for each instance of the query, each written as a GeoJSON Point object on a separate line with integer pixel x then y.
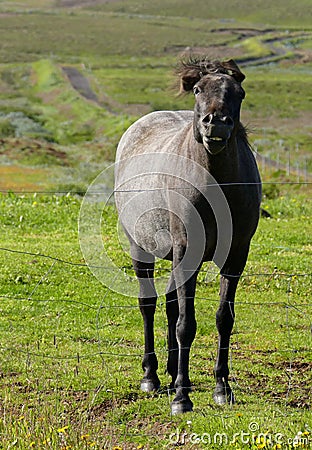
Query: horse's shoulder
{"type": "Point", "coordinates": [165, 118]}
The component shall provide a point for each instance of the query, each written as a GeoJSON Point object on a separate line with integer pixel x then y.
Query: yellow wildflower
{"type": "Point", "coordinates": [84, 437]}
{"type": "Point", "coordinates": [63, 429]}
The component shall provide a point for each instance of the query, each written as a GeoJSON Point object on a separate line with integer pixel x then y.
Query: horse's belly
{"type": "Point", "coordinates": [152, 233]}
{"type": "Point", "coordinates": [146, 219]}
{"type": "Point", "coordinates": [158, 222]}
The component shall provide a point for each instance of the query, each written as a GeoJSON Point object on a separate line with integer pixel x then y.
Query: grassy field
{"type": "Point", "coordinates": [70, 372]}
{"type": "Point", "coordinates": [71, 348]}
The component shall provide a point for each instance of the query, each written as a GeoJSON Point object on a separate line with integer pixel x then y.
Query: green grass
{"type": "Point", "coordinates": [256, 47]}
{"type": "Point", "coordinates": [259, 12]}
{"type": "Point", "coordinates": [70, 357]}
{"type": "Point", "coordinates": [279, 92]}
{"type": "Point", "coordinates": [112, 34]}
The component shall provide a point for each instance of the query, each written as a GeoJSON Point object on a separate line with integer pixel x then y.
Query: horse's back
{"type": "Point", "coordinates": [154, 132]}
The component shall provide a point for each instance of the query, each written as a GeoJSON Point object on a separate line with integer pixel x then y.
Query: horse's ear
{"type": "Point", "coordinates": [233, 70]}
{"type": "Point", "coordinates": [189, 80]}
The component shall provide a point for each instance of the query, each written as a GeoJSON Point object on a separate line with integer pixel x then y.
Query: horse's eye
{"type": "Point", "coordinates": [196, 90]}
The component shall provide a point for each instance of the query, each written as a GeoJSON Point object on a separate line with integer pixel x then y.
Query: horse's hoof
{"type": "Point", "coordinates": [223, 395]}
{"type": "Point", "coordinates": [149, 385]}
{"type": "Point", "coordinates": [181, 407]}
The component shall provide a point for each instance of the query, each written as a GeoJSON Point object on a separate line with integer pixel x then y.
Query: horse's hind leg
{"type": "Point", "coordinates": [143, 264]}
{"type": "Point", "coordinates": [172, 310]}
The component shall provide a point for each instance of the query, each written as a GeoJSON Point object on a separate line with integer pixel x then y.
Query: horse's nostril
{"type": "Point", "coordinates": [208, 119]}
{"type": "Point", "coordinates": [227, 120]}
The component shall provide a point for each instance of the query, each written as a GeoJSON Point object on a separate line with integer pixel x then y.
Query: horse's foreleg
{"type": "Point", "coordinates": [224, 321]}
{"type": "Point", "coordinates": [144, 269]}
{"type": "Point", "coordinates": [185, 333]}
{"type": "Point", "coordinates": [172, 310]}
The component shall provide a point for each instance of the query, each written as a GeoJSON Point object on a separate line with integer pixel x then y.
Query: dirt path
{"type": "Point", "coordinates": [80, 3]}
{"type": "Point", "coordinates": [82, 85]}
{"type": "Point", "coordinates": [277, 42]}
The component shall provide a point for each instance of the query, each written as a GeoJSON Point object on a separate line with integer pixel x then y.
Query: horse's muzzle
{"type": "Point", "coordinates": [216, 134]}
{"type": "Point", "coordinates": [214, 145]}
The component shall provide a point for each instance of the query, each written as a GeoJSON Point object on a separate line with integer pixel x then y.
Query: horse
{"type": "Point", "coordinates": [188, 190]}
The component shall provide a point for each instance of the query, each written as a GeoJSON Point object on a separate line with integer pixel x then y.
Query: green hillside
{"type": "Point", "coordinates": [123, 55]}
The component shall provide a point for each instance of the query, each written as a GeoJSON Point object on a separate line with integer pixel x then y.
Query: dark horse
{"type": "Point", "coordinates": [188, 189]}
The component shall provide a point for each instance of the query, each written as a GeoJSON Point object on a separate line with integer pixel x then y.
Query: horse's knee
{"type": "Point", "coordinates": [147, 289]}
{"type": "Point", "coordinates": [225, 317]}
{"type": "Point", "coordinates": [186, 330]}
{"type": "Point", "coordinates": [147, 307]}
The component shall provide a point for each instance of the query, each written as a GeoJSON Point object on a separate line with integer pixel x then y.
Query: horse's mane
{"type": "Point", "coordinates": [242, 133]}
{"type": "Point", "coordinates": [201, 65]}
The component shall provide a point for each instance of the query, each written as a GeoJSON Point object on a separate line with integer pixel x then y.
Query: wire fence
{"type": "Point", "coordinates": [112, 191]}
{"type": "Point", "coordinates": [303, 309]}
{"type": "Point", "coordinates": [291, 165]}
{"type": "Point", "coordinates": [289, 316]}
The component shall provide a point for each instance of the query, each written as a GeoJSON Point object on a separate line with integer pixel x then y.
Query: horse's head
{"type": "Point", "coordinates": [218, 96]}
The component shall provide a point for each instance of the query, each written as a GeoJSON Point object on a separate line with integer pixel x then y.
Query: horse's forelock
{"type": "Point", "coordinates": [201, 66]}
{"type": "Point", "coordinates": [192, 70]}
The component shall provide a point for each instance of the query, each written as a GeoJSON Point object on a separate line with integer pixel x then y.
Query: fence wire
{"type": "Point", "coordinates": [120, 190]}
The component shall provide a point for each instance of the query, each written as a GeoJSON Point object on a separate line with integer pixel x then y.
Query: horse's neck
{"type": "Point", "coordinates": [224, 167]}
